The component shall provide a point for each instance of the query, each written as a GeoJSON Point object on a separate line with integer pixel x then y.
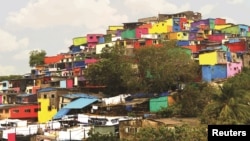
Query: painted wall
{"type": "Point", "coordinates": [128, 34]}
{"type": "Point", "coordinates": [220, 21]}
{"type": "Point", "coordinates": [237, 46]}
{"type": "Point", "coordinates": [63, 84]}
{"type": "Point", "coordinates": [115, 27]}
{"type": "Point", "coordinates": [221, 26]}
{"type": "Point", "coordinates": [183, 36]}
{"type": "Point", "coordinates": [45, 110]}
{"type": "Point", "coordinates": [79, 41]}
{"type": "Point", "coordinates": [216, 37]}
{"type": "Point", "coordinates": [158, 28]}
{"type": "Point", "coordinates": [213, 72]}
{"type": "Point", "coordinates": [212, 58]}
{"type": "Point", "coordinates": [233, 68]}
{"type": "Point", "coordinates": [20, 112]}
{"type": "Point", "coordinates": [157, 104]}
{"type": "Point", "coordinates": [140, 31]}
{"type": "Point", "coordinates": [4, 85]}
{"type": "Point", "coordinates": [93, 38]}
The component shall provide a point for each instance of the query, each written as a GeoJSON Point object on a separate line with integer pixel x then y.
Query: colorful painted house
{"type": "Point", "coordinates": [114, 29]}
{"type": "Point", "coordinates": [212, 57]}
{"type": "Point", "coordinates": [92, 39]}
{"type": "Point", "coordinates": [27, 111]}
{"type": "Point", "coordinates": [77, 41]}
{"type": "Point", "coordinates": [240, 30]}
{"type": "Point", "coordinates": [214, 72]}
{"type": "Point", "coordinates": [4, 85]}
{"type": "Point", "coordinates": [74, 103]}
{"type": "Point", "coordinates": [142, 30]}
{"type": "Point", "coordinates": [236, 46]}
{"type": "Point", "coordinates": [128, 34]}
{"type": "Point", "coordinates": [216, 37]}
{"type": "Point", "coordinates": [159, 28]}
{"type": "Point", "coordinates": [156, 104]}
{"type": "Point", "coordinates": [233, 68]}
{"type": "Point", "coordinates": [48, 101]}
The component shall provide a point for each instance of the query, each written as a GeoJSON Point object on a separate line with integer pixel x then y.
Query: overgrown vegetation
{"type": "Point", "coordinates": [37, 57]}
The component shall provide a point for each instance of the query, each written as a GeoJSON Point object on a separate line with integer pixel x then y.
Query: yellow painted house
{"type": "Point", "coordinates": [48, 99]}
{"type": "Point", "coordinates": [212, 57]}
{"type": "Point", "coordinates": [79, 41]}
{"type": "Point", "coordinates": [46, 112]}
{"type": "Point", "coordinates": [114, 28]}
{"type": "Point", "coordinates": [219, 27]}
{"type": "Point", "coordinates": [181, 35]}
{"type": "Point", "coordinates": [160, 27]}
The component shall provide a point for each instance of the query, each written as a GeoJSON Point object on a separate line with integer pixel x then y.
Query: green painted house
{"type": "Point", "coordinates": [156, 104]}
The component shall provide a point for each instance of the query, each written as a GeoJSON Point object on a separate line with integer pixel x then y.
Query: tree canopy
{"type": "Point", "coordinates": [231, 105]}
{"type": "Point", "coordinates": [150, 69]}
{"type": "Point", "coordinates": [36, 57]}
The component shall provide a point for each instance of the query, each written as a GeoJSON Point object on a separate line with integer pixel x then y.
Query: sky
{"type": "Point", "coordinates": [51, 25]}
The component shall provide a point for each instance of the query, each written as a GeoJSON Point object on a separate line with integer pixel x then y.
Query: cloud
{"type": "Point", "coordinates": [229, 20]}
{"type": "Point", "coordinates": [235, 1]}
{"type": "Point", "coordinates": [150, 7]}
{"type": "Point", "coordinates": [207, 9]}
{"type": "Point", "coordinates": [53, 13]}
{"type": "Point", "coordinates": [9, 42]}
{"type": "Point", "coordinates": [7, 70]}
{"type": "Point", "coordinates": [22, 55]}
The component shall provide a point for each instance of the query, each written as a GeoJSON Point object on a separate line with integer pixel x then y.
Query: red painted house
{"type": "Point", "coordinates": [237, 46]}
{"type": "Point", "coordinates": [29, 111]}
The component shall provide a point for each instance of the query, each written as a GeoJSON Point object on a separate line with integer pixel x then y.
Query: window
{"type": "Point", "coordinates": [1, 111]}
{"type": "Point", "coordinates": [36, 110]}
{"type": "Point", "coordinates": [44, 96]}
{"type": "Point", "coordinates": [52, 96]}
{"type": "Point", "coordinates": [49, 108]}
{"type": "Point", "coordinates": [6, 110]}
{"type": "Point", "coordinates": [16, 111]}
{"type": "Point", "coordinates": [126, 130]}
{"type": "Point", "coordinates": [27, 110]}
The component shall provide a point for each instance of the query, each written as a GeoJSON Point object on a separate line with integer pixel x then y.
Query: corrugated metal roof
{"type": "Point", "coordinates": [24, 95]}
{"type": "Point", "coordinates": [61, 113]}
{"type": "Point", "coordinates": [82, 95]}
{"type": "Point", "coordinates": [46, 89]}
{"type": "Point", "coordinates": [80, 103]}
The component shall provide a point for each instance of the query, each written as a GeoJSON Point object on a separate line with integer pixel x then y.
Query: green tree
{"type": "Point", "coordinates": [96, 136]}
{"type": "Point", "coordinates": [230, 106]}
{"type": "Point", "coordinates": [114, 70]}
{"type": "Point", "coordinates": [190, 102]}
{"type": "Point", "coordinates": [179, 133]}
{"type": "Point", "coordinates": [160, 68]}
{"type": "Point", "coordinates": [2, 78]}
{"type": "Point", "coordinates": [36, 57]}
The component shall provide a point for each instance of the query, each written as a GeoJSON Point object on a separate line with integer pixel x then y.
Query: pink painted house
{"type": "Point", "coordinates": [234, 68]}
{"type": "Point", "coordinates": [143, 29]}
{"type": "Point", "coordinates": [93, 39]}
